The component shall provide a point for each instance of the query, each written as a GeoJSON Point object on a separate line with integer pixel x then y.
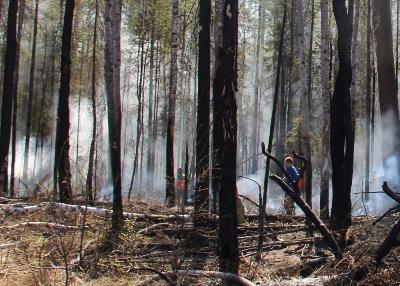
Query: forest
{"type": "Point", "coordinates": [199, 142]}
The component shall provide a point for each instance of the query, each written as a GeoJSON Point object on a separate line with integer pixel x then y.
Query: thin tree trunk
{"type": "Point", "coordinates": [354, 47]}
{"type": "Point", "coordinates": [89, 178]}
{"type": "Point", "coordinates": [325, 96]}
{"type": "Point", "coordinates": [170, 190]}
{"type": "Point", "coordinates": [112, 70]}
{"type": "Point", "coordinates": [8, 92]}
{"type": "Point", "coordinates": [271, 131]}
{"type": "Point", "coordinates": [150, 140]}
{"type": "Point", "coordinates": [342, 122]}
{"type": "Point", "coordinates": [368, 104]}
{"type": "Point", "coordinates": [30, 93]}
{"type": "Point", "coordinates": [203, 115]}
{"type": "Point", "coordinates": [259, 44]}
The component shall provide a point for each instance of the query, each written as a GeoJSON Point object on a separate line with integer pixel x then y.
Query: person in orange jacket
{"type": "Point", "coordinates": [180, 186]}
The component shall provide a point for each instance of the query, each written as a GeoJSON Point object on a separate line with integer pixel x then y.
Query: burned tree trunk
{"type": "Point", "coordinates": [217, 140]}
{"type": "Point", "coordinates": [8, 92]}
{"type": "Point", "coordinates": [62, 163]}
{"type": "Point", "coordinates": [112, 70]}
{"type": "Point", "coordinates": [368, 103]}
{"type": "Point", "coordinates": [342, 121]}
{"type": "Point", "coordinates": [203, 114]}
{"type": "Point", "coordinates": [228, 253]}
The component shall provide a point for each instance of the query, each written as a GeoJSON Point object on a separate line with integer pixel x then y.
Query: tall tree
{"type": "Point", "coordinates": [258, 63]}
{"type": "Point", "coordinates": [305, 102]}
{"type": "Point", "coordinates": [89, 178]}
{"type": "Point", "coordinates": [229, 253]}
{"type": "Point", "coordinates": [170, 191]}
{"type": "Point", "coordinates": [368, 102]}
{"type": "Point", "coordinates": [30, 92]}
{"type": "Point", "coordinates": [388, 100]}
{"type": "Point", "coordinates": [325, 96]}
{"type": "Point", "coordinates": [217, 136]}
{"type": "Point", "coordinates": [342, 121]}
{"type": "Point", "coordinates": [8, 91]}
{"type": "Point", "coordinates": [112, 71]}
{"type": "Point", "coordinates": [62, 170]}
{"type": "Point", "coordinates": [21, 16]}
{"type": "Point", "coordinates": [203, 112]}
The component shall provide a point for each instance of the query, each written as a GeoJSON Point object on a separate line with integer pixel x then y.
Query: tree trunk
{"type": "Point", "coordinates": [150, 140]}
{"type": "Point", "coordinates": [354, 45]}
{"type": "Point", "coordinates": [21, 16]}
{"type": "Point", "coordinates": [271, 131]}
{"type": "Point", "coordinates": [8, 92]}
{"type": "Point", "coordinates": [170, 171]}
{"type": "Point", "coordinates": [112, 70]}
{"type": "Point", "coordinates": [229, 253]}
{"type": "Point", "coordinates": [203, 114]}
{"type": "Point", "coordinates": [62, 163]}
{"type": "Point", "coordinates": [30, 94]}
{"type": "Point", "coordinates": [368, 103]}
{"type": "Point", "coordinates": [217, 136]}
{"type": "Point", "coordinates": [388, 100]}
{"type": "Point", "coordinates": [89, 178]}
{"type": "Point", "coordinates": [305, 104]}
{"type": "Point", "coordinates": [324, 164]}
{"type": "Point", "coordinates": [342, 122]}
{"type": "Point", "coordinates": [258, 63]}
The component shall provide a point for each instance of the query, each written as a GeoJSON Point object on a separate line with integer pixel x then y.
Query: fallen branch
{"type": "Point", "coordinates": [392, 240]}
{"type": "Point", "coordinates": [281, 244]}
{"type": "Point", "coordinates": [229, 277]}
{"type": "Point", "coordinates": [391, 211]}
{"type": "Point", "coordinates": [390, 193]}
{"type": "Point", "coordinates": [319, 225]}
{"type": "Point", "coordinates": [145, 230]}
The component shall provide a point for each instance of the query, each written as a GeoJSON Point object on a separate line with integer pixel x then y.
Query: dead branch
{"type": "Point", "coordinates": [391, 211]}
{"type": "Point", "coordinates": [390, 193]}
{"type": "Point", "coordinates": [319, 225]}
{"type": "Point", "coordinates": [202, 273]}
{"type": "Point", "coordinates": [145, 230]}
{"type": "Point", "coordinates": [250, 200]}
{"type": "Point", "coordinates": [280, 244]}
{"type": "Point", "coordinates": [392, 240]}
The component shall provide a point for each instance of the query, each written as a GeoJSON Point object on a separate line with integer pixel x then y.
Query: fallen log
{"type": "Point", "coordinates": [314, 219]}
{"type": "Point", "coordinates": [102, 212]}
{"type": "Point", "coordinates": [390, 193]}
{"type": "Point", "coordinates": [228, 277]}
{"type": "Point", "coordinates": [392, 240]}
{"type": "Point", "coordinates": [51, 225]}
{"type": "Point", "coordinates": [279, 232]}
{"type": "Point", "coordinates": [9, 245]}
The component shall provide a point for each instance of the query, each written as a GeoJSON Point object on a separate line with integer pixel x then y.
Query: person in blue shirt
{"type": "Point", "coordinates": [292, 172]}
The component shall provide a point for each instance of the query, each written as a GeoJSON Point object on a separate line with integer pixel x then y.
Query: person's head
{"type": "Point", "coordinates": [180, 171]}
{"type": "Point", "coordinates": [288, 161]}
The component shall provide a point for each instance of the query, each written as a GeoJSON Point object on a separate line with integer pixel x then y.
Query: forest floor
{"type": "Point", "coordinates": [36, 247]}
